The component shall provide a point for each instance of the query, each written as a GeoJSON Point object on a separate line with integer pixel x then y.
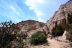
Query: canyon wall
{"type": "Point", "coordinates": [60, 16]}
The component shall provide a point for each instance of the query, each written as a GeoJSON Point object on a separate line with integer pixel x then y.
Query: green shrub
{"type": "Point", "coordinates": [38, 38]}
{"type": "Point", "coordinates": [5, 34]}
{"type": "Point", "coordinates": [5, 39]}
{"type": "Point", "coordinates": [57, 31]}
{"type": "Point", "coordinates": [70, 18]}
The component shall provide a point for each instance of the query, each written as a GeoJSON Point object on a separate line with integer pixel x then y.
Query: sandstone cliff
{"type": "Point", "coordinates": [60, 16]}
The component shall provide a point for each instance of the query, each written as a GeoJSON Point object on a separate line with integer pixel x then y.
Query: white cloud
{"type": "Point", "coordinates": [34, 5]}
{"type": "Point", "coordinates": [39, 13]}
{"type": "Point", "coordinates": [14, 13]}
{"type": "Point", "coordinates": [41, 1]}
{"type": "Point", "coordinates": [14, 10]}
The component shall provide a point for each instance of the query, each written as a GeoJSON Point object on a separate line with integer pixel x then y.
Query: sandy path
{"type": "Point", "coordinates": [58, 44]}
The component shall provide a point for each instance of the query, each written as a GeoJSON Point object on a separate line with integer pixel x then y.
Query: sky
{"type": "Point", "coordinates": [21, 10]}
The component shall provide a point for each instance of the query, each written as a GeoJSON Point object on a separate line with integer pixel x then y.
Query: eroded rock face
{"type": "Point", "coordinates": [29, 25]}
{"type": "Point", "coordinates": [60, 16]}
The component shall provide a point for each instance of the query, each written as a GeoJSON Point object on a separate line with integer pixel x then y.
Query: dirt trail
{"type": "Point", "coordinates": [53, 43]}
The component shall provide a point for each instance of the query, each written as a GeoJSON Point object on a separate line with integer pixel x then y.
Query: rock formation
{"type": "Point", "coordinates": [30, 26]}
{"type": "Point", "coordinates": [60, 16]}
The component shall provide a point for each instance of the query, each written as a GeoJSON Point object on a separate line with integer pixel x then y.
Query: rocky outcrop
{"type": "Point", "coordinates": [30, 26]}
{"type": "Point", "coordinates": [30, 23]}
{"type": "Point", "coordinates": [60, 16]}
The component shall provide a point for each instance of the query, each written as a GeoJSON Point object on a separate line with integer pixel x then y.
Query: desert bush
{"type": "Point", "coordinates": [5, 39]}
{"type": "Point", "coordinates": [57, 31]}
{"type": "Point", "coordinates": [38, 38]}
{"type": "Point", "coordinates": [70, 18]}
{"type": "Point", "coordinates": [5, 34]}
